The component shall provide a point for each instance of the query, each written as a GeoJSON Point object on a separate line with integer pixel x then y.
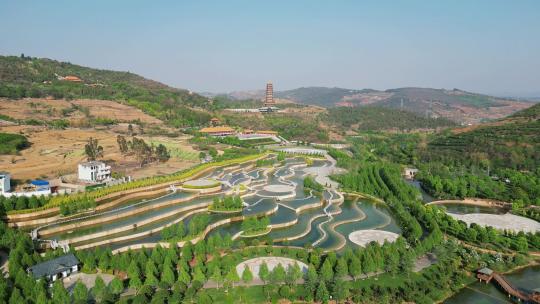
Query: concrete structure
{"type": "Point", "coordinates": [241, 110]}
{"type": "Point", "coordinates": [250, 134]}
{"type": "Point", "coordinates": [259, 110]}
{"type": "Point", "coordinates": [54, 269]}
{"type": "Point", "coordinates": [269, 98]}
{"type": "Point", "coordinates": [5, 182]}
{"type": "Point", "coordinates": [217, 131]}
{"type": "Point", "coordinates": [509, 222]}
{"type": "Point", "coordinates": [267, 132]}
{"type": "Point", "coordinates": [202, 186]}
{"type": "Point", "coordinates": [410, 173]}
{"type": "Point", "coordinates": [364, 237]}
{"type": "Point", "coordinates": [214, 121]}
{"type": "Point", "coordinates": [306, 151]}
{"type": "Point", "coordinates": [94, 172]}
{"type": "Point", "coordinates": [268, 109]}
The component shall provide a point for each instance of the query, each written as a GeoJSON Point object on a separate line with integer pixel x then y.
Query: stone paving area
{"type": "Point", "coordinates": [364, 237]}
{"type": "Point", "coordinates": [499, 221]}
{"type": "Point", "coordinates": [271, 262]}
{"type": "Point", "coordinates": [203, 182]}
{"type": "Point", "coordinates": [88, 280]}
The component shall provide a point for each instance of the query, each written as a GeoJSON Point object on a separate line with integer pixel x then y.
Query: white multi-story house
{"type": "Point", "coordinates": [5, 182]}
{"type": "Point", "coordinates": [94, 172]}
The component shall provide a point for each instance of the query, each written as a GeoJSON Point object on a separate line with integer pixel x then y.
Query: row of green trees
{"type": "Point", "coordinates": [84, 203]}
{"type": "Point", "coordinates": [174, 275]}
{"type": "Point", "coordinates": [144, 152]}
{"type": "Point", "coordinates": [227, 203]}
{"type": "Point", "coordinates": [384, 180]}
{"type": "Point", "coordinates": [180, 231]}
{"type": "Point", "coordinates": [253, 225]}
{"type": "Point", "coordinates": [265, 162]}
{"type": "Point", "coordinates": [21, 202]}
{"type": "Point", "coordinates": [311, 184]}
{"type": "Point", "coordinates": [520, 188]}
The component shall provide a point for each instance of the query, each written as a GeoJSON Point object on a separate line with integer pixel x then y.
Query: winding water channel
{"type": "Point", "coordinates": [297, 216]}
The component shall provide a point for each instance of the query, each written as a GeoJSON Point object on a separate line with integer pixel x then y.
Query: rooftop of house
{"type": "Point", "coordinates": [216, 129]}
{"type": "Point", "coordinates": [39, 182]}
{"type": "Point", "coordinates": [485, 271]}
{"type": "Point", "coordinates": [72, 78]}
{"type": "Point", "coordinates": [92, 163]}
{"type": "Point", "coordinates": [267, 132]}
{"type": "Point", "coordinates": [54, 266]}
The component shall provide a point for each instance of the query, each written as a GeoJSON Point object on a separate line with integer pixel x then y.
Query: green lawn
{"type": "Point", "coordinates": [176, 150]}
{"type": "Point", "coordinates": [254, 294]}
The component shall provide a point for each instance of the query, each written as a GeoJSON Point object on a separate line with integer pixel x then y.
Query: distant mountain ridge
{"type": "Point", "coordinates": [457, 105]}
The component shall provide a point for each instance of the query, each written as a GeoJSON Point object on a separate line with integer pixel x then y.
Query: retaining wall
{"type": "Point", "coordinates": [115, 217]}
{"type": "Point", "coordinates": [20, 217]}
{"type": "Point", "coordinates": [194, 240]}
{"type": "Point", "coordinates": [475, 202]}
{"type": "Point", "coordinates": [141, 234]}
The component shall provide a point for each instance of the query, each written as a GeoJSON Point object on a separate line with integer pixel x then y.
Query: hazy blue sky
{"type": "Point", "coordinates": [484, 46]}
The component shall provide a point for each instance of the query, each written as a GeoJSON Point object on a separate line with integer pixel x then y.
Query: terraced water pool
{"type": "Point", "coordinates": [297, 216]}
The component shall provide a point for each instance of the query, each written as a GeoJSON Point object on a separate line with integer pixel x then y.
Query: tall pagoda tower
{"type": "Point", "coordinates": [269, 99]}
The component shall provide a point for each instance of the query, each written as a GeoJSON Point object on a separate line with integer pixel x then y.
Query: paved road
{"type": "Point", "coordinates": [88, 280]}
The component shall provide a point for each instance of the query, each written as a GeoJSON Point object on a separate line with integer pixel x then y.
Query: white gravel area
{"type": "Point", "coordinates": [499, 221]}
{"type": "Point", "coordinates": [278, 188]}
{"type": "Point", "coordinates": [364, 237]}
{"type": "Point", "coordinates": [271, 262]}
{"type": "Point", "coordinates": [203, 182]}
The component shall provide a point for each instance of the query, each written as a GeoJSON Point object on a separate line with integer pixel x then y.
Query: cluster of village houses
{"type": "Point", "coordinates": [89, 173]}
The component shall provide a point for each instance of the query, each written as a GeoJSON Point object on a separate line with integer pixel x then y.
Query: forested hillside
{"type": "Point", "coordinates": [320, 96]}
{"type": "Point", "coordinates": [40, 77]}
{"type": "Point", "coordinates": [529, 114]}
{"type": "Point", "coordinates": [290, 126]}
{"type": "Point", "coordinates": [378, 118]}
{"type": "Point", "coordinates": [509, 143]}
{"type": "Point", "coordinates": [500, 161]}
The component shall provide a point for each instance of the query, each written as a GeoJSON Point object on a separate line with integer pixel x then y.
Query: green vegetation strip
{"type": "Point", "coordinates": [12, 143]}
